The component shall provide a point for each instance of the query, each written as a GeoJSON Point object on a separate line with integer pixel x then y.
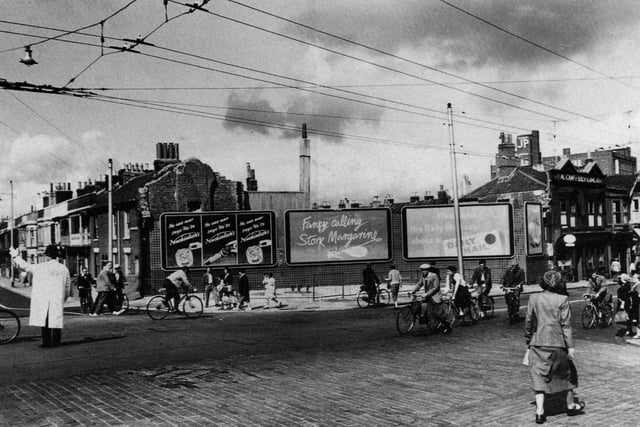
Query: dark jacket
{"type": "Point", "coordinates": [476, 278]}
{"type": "Point", "coordinates": [369, 277]}
{"type": "Point", "coordinates": [243, 284]}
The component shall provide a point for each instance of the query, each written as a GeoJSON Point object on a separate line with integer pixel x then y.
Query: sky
{"type": "Point", "coordinates": [232, 84]}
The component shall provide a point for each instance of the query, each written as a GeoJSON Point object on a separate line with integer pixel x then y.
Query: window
{"type": "Point", "coordinates": [636, 205]}
{"type": "Point", "coordinates": [64, 227]}
{"type": "Point", "coordinates": [616, 211]}
{"type": "Point", "coordinates": [114, 224]}
{"type": "Point", "coordinates": [125, 267]}
{"type": "Point", "coordinates": [616, 166]}
{"type": "Point", "coordinates": [96, 228]}
{"type": "Point", "coordinates": [126, 225]}
{"type": "Point", "coordinates": [567, 213]}
{"type": "Point", "coordinates": [594, 213]}
{"type": "Point", "coordinates": [75, 224]}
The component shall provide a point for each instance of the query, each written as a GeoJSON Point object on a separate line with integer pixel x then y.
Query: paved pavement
{"type": "Point", "coordinates": [472, 377]}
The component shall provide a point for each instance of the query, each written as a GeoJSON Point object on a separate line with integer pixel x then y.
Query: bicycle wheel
{"type": "Point", "coordinates": [9, 326]}
{"type": "Point", "coordinates": [157, 308]}
{"type": "Point", "coordinates": [473, 311]}
{"type": "Point", "coordinates": [490, 306]}
{"type": "Point", "coordinates": [191, 306]}
{"type": "Point", "coordinates": [451, 312]}
{"type": "Point", "coordinates": [405, 320]}
{"type": "Point", "coordinates": [363, 299]}
{"type": "Point", "coordinates": [384, 297]}
{"type": "Point", "coordinates": [588, 317]}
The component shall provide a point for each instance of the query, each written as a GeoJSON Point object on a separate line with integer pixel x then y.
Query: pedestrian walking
{"type": "Point", "coordinates": [84, 283]}
{"type": "Point", "coordinates": [209, 288]}
{"type": "Point", "coordinates": [550, 346]}
{"type": "Point", "coordinates": [105, 287]}
{"type": "Point", "coordinates": [615, 268]}
{"type": "Point", "coordinates": [394, 278]}
{"type": "Point", "coordinates": [629, 299]}
{"type": "Point", "coordinates": [51, 283]}
{"type": "Point", "coordinates": [119, 283]}
{"type": "Point", "coordinates": [270, 290]}
{"type": "Point", "coordinates": [243, 290]}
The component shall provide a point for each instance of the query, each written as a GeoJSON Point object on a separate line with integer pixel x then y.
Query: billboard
{"type": "Point", "coordinates": [533, 224]}
{"type": "Point", "coordinates": [217, 239]}
{"type": "Point", "coordinates": [429, 231]}
{"type": "Point", "coordinates": [338, 236]}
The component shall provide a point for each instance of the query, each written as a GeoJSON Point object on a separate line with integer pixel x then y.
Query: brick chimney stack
{"type": "Point", "coordinates": [305, 167]}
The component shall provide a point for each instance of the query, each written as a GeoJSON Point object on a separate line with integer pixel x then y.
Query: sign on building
{"type": "Point", "coordinates": [429, 231]}
{"type": "Point", "coordinates": [217, 239]}
{"type": "Point", "coordinates": [338, 236]}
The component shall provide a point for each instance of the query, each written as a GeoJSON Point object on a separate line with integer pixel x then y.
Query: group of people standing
{"type": "Point", "coordinates": [227, 296]}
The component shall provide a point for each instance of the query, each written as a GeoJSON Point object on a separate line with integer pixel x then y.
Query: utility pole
{"type": "Point", "coordinates": [456, 203]}
{"type": "Point", "coordinates": [110, 212]}
{"type": "Point", "coordinates": [11, 236]}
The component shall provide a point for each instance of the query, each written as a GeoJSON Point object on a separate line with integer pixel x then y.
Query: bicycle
{"type": "Point", "coordinates": [9, 325]}
{"type": "Point", "coordinates": [592, 314]}
{"type": "Point", "coordinates": [382, 297]}
{"type": "Point", "coordinates": [484, 303]}
{"type": "Point", "coordinates": [160, 306]}
{"type": "Point", "coordinates": [409, 315]}
{"type": "Point", "coordinates": [465, 315]}
{"type": "Point", "coordinates": [512, 298]}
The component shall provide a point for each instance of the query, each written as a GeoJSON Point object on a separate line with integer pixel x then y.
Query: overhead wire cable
{"type": "Point", "coordinates": [403, 72]}
{"type": "Point", "coordinates": [532, 43]}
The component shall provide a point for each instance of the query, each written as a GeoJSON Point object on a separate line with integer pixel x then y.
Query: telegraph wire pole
{"type": "Point", "coordinates": [454, 178]}
{"type": "Point", "coordinates": [11, 237]}
{"type": "Point", "coordinates": [110, 212]}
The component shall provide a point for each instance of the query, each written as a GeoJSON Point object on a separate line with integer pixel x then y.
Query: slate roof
{"type": "Point", "coordinates": [125, 193]}
{"type": "Point", "coordinates": [521, 179]}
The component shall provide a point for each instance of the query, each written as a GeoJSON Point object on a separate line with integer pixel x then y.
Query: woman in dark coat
{"type": "Point", "coordinates": [549, 337]}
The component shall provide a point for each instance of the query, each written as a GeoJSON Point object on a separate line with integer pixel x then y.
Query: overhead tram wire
{"type": "Point", "coordinates": [402, 72]}
{"type": "Point", "coordinates": [382, 52]}
{"type": "Point", "coordinates": [311, 84]}
{"type": "Point", "coordinates": [298, 88]}
{"type": "Point", "coordinates": [102, 21]}
{"type": "Point", "coordinates": [532, 43]}
{"type": "Point", "coordinates": [280, 84]}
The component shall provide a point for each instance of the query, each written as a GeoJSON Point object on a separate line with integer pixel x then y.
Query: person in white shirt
{"type": "Point", "coordinates": [173, 283]}
{"type": "Point", "coordinates": [394, 278]}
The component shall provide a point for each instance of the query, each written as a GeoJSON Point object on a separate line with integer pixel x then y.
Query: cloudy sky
{"type": "Point", "coordinates": [233, 84]}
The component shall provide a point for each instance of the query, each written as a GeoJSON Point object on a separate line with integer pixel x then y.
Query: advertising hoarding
{"type": "Point", "coordinates": [533, 223]}
{"type": "Point", "coordinates": [217, 239]}
{"type": "Point", "coordinates": [338, 236]}
{"type": "Point", "coordinates": [429, 231]}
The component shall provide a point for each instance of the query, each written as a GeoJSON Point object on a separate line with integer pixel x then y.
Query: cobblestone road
{"type": "Point", "coordinates": [344, 368]}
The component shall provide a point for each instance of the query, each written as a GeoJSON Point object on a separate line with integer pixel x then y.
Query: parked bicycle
{"type": "Point", "coordinates": [9, 325]}
{"type": "Point", "coordinates": [410, 315]}
{"type": "Point", "coordinates": [160, 306]}
{"type": "Point", "coordinates": [512, 298]}
{"type": "Point", "coordinates": [382, 298]}
{"type": "Point", "coordinates": [593, 315]}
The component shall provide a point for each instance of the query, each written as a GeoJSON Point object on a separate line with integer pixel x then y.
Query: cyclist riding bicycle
{"type": "Point", "coordinates": [598, 285]}
{"type": "Point", "coordinates": [370, 282]}
{"type": "Point", "coordinates": [482, 278]}
{"type": "Point", "coordinates": [173, 283]}
{"type": "Point", "coordinates": [432, 297]}
{"type": "Point", "coordinates": [512, 282]}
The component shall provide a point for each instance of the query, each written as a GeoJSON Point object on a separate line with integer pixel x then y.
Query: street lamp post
{"type": "Point", "coordinates": [110, 212]}
{"type": "Point", "coordinates": [456, 203]}
{"type": "Point", "coordinates": [11, 236]}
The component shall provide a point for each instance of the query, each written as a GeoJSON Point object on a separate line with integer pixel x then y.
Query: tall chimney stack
{"type": "Point", "coordinates": [305, 167]}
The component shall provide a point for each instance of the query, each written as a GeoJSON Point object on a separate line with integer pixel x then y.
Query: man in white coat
{"type": "Point", "coordinates": [51, 288]}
